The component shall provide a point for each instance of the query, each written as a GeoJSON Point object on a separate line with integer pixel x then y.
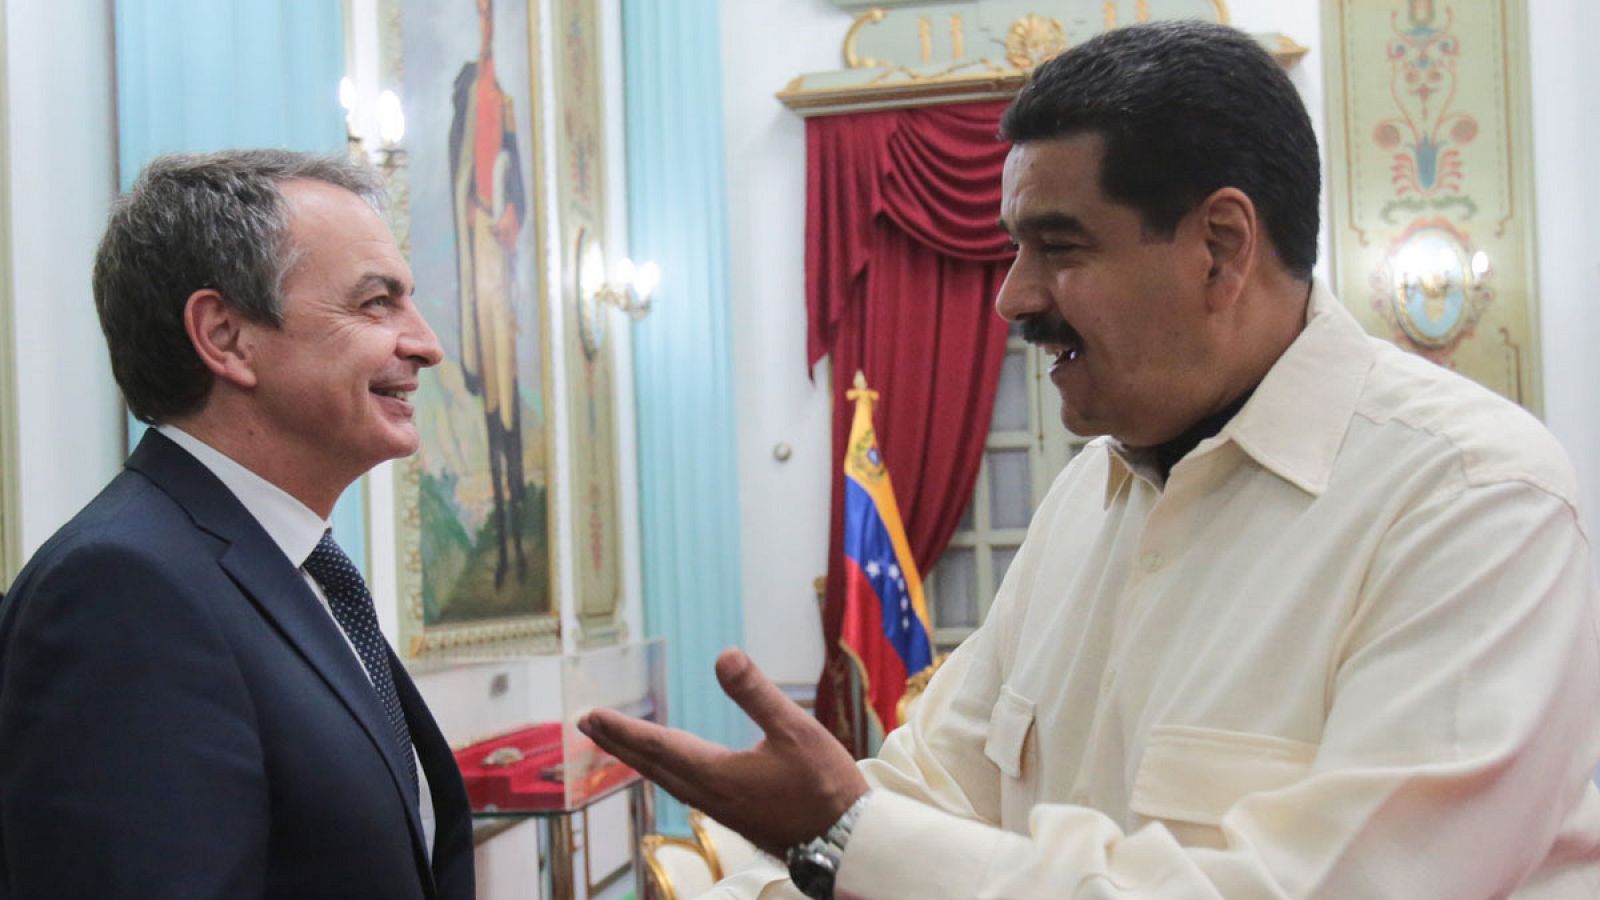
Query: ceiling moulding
{"type": "Point", "coordinates": [900, 54]}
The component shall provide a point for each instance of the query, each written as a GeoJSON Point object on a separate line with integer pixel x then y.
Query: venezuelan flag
{"type": "Point", "coordinates": [885, 629]}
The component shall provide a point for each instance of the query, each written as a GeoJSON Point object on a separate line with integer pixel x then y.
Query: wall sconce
{"type": "Point", "coordinates": [1438, 284]}
{"type": "Point", "coordinates": [628, 287]}
{"type": "Point", "coordinates": [391, 123]}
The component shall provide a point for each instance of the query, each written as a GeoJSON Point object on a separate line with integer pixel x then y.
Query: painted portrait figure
{"type": "Point", "coordinates": [490, 207]}
{"type": "Point", "coordinates": [475, 511]}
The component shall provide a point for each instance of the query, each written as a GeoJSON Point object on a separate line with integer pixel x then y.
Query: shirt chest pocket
{"type": "Point", "coordinates": [1009, 726]}
{"type": "Point", "coordinates": [1008, 747]}
{"type": "Point", "coordinates": [1189, 777]}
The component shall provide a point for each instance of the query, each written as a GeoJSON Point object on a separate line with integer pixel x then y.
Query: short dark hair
{"type": "Point", "coordinates": [193, 221]}
{"type": "Point", "coordinates": [1185, 108]}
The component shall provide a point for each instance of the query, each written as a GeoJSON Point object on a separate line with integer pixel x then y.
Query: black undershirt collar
{"type": "Point", "coordinates": [1166, 455]}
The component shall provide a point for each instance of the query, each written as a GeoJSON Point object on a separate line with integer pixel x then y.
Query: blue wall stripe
{"type": "Point", "coordinates": [688, 473]}
{"type": "Point", "coordinates": [198, 75]}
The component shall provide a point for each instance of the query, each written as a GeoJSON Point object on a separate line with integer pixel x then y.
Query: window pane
{"type": "Point", "coordinates": [1010, 489]}
{"type": "Point", "coordinates": [999, 561]}
{"type": "Point", "coordinates": [955, 589]}
{"type": "Point", "coordinates": [1011, 397]}
{"type": "Point", "coordinates": [966, 518]}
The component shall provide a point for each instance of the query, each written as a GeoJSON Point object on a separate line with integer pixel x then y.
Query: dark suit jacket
{"type": "Point", "coordinates": [180, 717]}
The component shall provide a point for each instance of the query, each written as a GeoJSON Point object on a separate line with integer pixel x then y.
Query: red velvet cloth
{"type": "Point", "coordinates": [903, 261]}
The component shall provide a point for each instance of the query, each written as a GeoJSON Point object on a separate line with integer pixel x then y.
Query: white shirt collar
{"type": "Point", "coordinates": [1295, 421]}
{"type": "Point", "coordinates": [291, 524]}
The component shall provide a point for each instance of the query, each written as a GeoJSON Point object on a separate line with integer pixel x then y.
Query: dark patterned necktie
{"type": "Point", "coordinates": [352, 609]}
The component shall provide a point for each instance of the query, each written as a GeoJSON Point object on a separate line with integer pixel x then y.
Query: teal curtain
{"type": "Point", "coordinates": [198, 75]}
{"type": "Point", "coordinates": [683, 385]}
{"type": "Point", "coordinates": [214, 74]}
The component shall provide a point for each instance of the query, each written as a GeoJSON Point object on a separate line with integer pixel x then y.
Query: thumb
{"type": "Point", "coordinates": [746, 685]}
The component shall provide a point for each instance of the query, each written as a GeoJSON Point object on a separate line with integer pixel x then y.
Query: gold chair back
{"type": "Point", "coordinates": [676, 866]}
{"type": "Point", "coordinates": [724, 848]}
{"type": "Point", "coordinates": [915, 685]}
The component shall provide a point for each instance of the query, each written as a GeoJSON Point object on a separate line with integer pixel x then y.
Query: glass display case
{"type": "Point", "coordinates": [527, 759]}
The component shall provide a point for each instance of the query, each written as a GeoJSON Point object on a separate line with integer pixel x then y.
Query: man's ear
{"type": "Point", "coordinates": [217, 332]}
{"type": "Point", "coordinates": [1232, 232]}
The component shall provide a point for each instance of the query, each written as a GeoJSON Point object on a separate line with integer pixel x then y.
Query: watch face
{"type": "Point", "coordinates": [812, 872]}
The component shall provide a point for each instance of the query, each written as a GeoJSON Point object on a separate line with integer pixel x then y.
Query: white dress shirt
{"type": "Point", "coordinates": [297, 531]}
{"type": "Point", "coordinates": [1347, 650]}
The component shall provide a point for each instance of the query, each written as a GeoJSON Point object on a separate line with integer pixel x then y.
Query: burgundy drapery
{"type": "Point", "coordinates": [903, 260]}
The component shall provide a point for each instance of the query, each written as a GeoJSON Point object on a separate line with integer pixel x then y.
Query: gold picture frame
{"type": "Point", "coordinates": [476, 507]}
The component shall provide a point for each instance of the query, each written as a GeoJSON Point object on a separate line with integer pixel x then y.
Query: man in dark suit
{"type": "Point", "coordinates": [195, 700]}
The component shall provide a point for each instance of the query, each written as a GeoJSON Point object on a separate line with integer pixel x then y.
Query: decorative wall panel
{"type": "Point", "coordinates": [590, 365]}
{"type": "Point", "coordinates": [920, 53]}
{"type": "Point", "coordinates": [1429, 182]}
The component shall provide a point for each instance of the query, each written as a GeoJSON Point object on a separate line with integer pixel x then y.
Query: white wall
{"type": "Point", "coordinates": [61, 120]}
{"type": "Point", "coordinates": [1302, 21]}
{"type": "Point", "coordinates": [783, 505]}
{"type": "Point", "coordinates": [1565, 133]}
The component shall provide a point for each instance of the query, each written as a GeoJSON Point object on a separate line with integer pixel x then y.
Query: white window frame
{"type": "Point", "coordinates": [1050, 446]}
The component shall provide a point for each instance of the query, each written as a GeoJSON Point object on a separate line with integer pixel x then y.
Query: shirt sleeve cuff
{"type": "Point", "coordinates": [764, 879]}
{"type": "Point", "coordinates": [890, 849]}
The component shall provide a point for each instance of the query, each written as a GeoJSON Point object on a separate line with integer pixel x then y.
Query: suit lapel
{"type": "Point", "coordinates": [277, 589]}
{"type": "Point", "coordinates": [451, 865]}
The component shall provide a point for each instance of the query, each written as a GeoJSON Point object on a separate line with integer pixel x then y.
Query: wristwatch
{"type": "Point", "coordinates": [814, 863]}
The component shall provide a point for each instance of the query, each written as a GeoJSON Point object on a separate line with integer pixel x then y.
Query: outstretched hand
{"type": "Point", "coordinates": [786, 789]}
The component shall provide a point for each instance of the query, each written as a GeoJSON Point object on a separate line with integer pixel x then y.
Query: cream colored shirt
{"type": "Point", "coordinates": [1348, 650]}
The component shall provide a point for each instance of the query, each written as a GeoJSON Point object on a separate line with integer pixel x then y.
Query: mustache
{"type": "Point", "coordinates": [1048, 328]}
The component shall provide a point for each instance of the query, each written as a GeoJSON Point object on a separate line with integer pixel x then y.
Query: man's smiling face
{"type": "Point", "coordinates": [334, 381]}
{"type": "Point", "coordinates": [1122, 310]}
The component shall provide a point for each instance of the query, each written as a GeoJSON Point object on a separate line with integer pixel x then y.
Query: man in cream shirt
{"type": "Point", "coordinates": [1313, 618]}
{"type": "Point", "coordinates": [195, 698]}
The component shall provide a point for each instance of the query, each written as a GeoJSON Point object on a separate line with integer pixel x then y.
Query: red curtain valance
{"type": "Point", "coordinates": [903, 260]}
{"type": "Point", "coordinates": [934, 172]}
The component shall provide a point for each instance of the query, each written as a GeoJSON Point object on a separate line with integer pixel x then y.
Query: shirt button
{"type": "Point", "coordinates": [1152, 562]}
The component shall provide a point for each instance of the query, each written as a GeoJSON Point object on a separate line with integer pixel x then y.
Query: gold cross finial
{"type": "Point", "coordinates": [860, 388]}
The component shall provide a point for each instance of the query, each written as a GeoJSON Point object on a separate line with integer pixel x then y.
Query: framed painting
{"type": "Point", "coordinates": [476, 513]}
{"type": "Point", "coordinates": [1430, 182]}
{"type": "Point", "coordinates": [590, 365]}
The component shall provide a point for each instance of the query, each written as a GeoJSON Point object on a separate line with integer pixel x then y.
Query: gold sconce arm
{"type": "Point", "coordinates": [628, 287]}
{"type": "Point", "coordinates": [390, 119]}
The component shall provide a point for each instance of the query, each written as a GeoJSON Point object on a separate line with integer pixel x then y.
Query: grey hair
{"type": "Point", "coordinates": [195, 221]}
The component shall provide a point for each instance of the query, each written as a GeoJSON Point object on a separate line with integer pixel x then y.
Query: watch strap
{"type": "Point", "coordinates": [814, 864]}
